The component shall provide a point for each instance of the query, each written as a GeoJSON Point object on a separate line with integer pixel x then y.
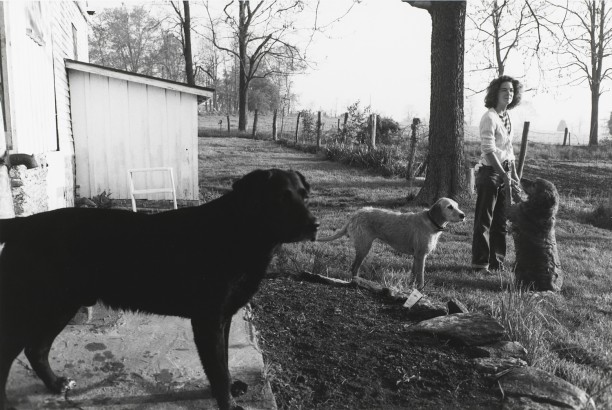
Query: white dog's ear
{"type": "Point", "coordinates": [436, 211]}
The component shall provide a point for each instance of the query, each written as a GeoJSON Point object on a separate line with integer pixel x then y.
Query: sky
{"type": "Point", "coordinates": [379, 54]}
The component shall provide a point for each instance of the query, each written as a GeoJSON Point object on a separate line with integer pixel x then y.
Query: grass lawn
{"type": "Point", "coordinates": [568, 334]}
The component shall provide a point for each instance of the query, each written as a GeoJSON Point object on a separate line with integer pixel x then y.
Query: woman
{"type": "Point", "coordinates": [495, 170]}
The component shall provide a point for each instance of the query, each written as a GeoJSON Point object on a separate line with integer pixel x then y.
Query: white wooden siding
{"type": "Point", "coordinates": [66, 14]}
{"type": "Point", "coordinates": [30, 72]}
{"type": "Point", "coordinates": [120, 124]}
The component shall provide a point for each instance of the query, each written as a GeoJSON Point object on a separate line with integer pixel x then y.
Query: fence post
{"type": "Point", "coordinates": [373, 130]}
{"type": "Point", "coordinates": [297, 127]}
{"type": "Point", "coordinates": [319, 130]}
{"type": "Point", "coordinates": [412, 152]}
{"type": "Point", "coordinates": [523, 152]}
{"type": "Point", "coordinates": [255, 125]}
{"type": "Point", "coordinates": [345, 121]}
{"type": "Point", "coordinates": [228, 124]}
{"type": "Point", "coordinates": [338, 124]}
{"type": "Point", "coordinates": [274, 136]}
{"type": "Point", "coordinates": [565, 136]}
{"type": "Point", "coordinates": [282, 122]}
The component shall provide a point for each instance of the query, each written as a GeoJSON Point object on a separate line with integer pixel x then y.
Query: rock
{"type": "Point", "coordinates": [455, 306]}
{"type": "Point", "coordinates": [494, 365]}
{"type": "Point", "coordinates": [426, 309]}
{"type": "Point", "coordinates": [502, 350]}
{"type": "Point", "coordinates": [470, 329]}
{"type": "Point", "coordinates": [522, 403]}
{"type": "Point", "coordinates": [541, 387]}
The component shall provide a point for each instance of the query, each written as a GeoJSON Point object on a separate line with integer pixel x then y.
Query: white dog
{"type": "Point", "coordinates": [410, 233]}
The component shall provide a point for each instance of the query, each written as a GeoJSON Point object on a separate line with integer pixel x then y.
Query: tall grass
{"type": "Point", "coordinates": [525, 319]}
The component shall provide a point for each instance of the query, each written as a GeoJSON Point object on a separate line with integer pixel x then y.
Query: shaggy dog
{"type": "Point", "coordinates": [201, 263]}
{"type": "Point", "coordinates": [533, 229]}
{"type": "Point", "coordinates": [410, 233]}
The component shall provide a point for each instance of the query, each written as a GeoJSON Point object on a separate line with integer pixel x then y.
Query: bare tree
{"type": "Point", "coordinates": [502, 28]}
{"type": "Point", "coordinates": [260, 33]}
{"type": "Point", "coordinates": [584, 45]}
{"type": "Point", "coordinates": [445, 176]}
{"type": "Point", "coordinates": [264, 39]}
{"type": "Point", "coordinates": [184, 20]}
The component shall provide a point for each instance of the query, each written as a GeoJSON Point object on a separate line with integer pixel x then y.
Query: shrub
{"type": "Point", "coordinates": [602, 215]}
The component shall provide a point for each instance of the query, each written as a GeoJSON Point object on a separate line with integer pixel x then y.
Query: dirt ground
{"type": "Point", "coordinates": [331, 348]}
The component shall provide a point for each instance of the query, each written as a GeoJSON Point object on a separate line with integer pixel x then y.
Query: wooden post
{"type": "Point", "coordinates": [523, 152]}
{"type": "Point", "coordinates": [228, 124]}
{"type": "Point", "coordinates": [282, 122]}
{"type": "Point", "coordinates": [319, 130]}
{"type": "Point", "coordinates": [297, 127]}
{"type": "Point", "coordinates": [338, 124]}
{"type": "Point", "coordinates": [412, 152]}
{"type": "Point", "coordinates": [373, 130]}
{"type": "Point", "coordinates": [7, 209]}
{"type": "Point", "coordinates": [471, 179]}
{"type": "Point", "coordinates": [345, 121]}
{"type": "Point", "coordinates": [255, 125]}
{"type": "Point", "coordinates": [274, 136]}
{"type": "Point", "coordinates": [565, 137]}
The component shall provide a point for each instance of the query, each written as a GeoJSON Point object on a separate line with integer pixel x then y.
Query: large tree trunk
{"type": "Point", "coordinates": [445, 175]}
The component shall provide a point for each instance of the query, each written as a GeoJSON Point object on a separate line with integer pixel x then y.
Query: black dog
{"type": "Point", "coordinates": [201, 263]}
{"type": "Point", "coordinates": [537, 264]}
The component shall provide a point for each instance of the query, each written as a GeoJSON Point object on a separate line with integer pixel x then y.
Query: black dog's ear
{"type": "Point", "coordinates": [304, 182]}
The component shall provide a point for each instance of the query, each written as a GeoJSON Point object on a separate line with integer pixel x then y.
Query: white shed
{"type": "Point", "coordinates": [122, 120]}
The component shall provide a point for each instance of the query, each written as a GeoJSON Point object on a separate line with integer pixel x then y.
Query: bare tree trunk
{"type": "Point", "coordinates": [187, 48]}
{"type": "Point", "coordinates": [274, 135]}
{"type": "Point", "coordinates": [255, 125]}
{"type": "Point", "coordinates": [594, 127]}
{"type": "Point", "coordinates": [445, 174]}
{"type": "Point", "coordinates": [243, 80]}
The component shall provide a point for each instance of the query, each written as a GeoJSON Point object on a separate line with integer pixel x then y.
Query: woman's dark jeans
{"type": "Point", "coordinates": [490, 227]}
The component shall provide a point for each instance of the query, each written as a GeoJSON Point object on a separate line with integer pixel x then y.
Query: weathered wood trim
{"type": "Point", "coordinates": [139, 78]}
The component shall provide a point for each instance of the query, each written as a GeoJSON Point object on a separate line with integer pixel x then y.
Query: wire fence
{"type": "Point", "coordinates": [216, 124]}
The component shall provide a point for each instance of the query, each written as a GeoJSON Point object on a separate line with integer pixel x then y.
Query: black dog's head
{"type": "Point", "coordinates": [542, 195]}
{"type": "Point", "coordinates": [278, 199]}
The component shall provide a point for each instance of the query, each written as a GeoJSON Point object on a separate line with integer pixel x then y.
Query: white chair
{"type": "Point", "coordinates": [161, 190]}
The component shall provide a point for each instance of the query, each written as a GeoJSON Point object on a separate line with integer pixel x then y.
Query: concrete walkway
{"type": "Point", "coordinates": [132, 361]}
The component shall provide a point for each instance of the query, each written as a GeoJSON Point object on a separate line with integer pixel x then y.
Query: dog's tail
{"type": "Point", "coordinates": [335, 236]}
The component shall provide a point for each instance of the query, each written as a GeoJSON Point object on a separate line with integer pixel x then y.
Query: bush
{"type": "Point", "coordinates": [388, 160]}
{"type": "Point", "coordinates": [602, 215]}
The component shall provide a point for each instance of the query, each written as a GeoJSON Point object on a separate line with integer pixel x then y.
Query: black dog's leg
{"type": "Point", "coordinates": [10, 348]}
{"type": "Point", "coordinates": [210, 340]}
{"type": "Point", "coordinates": [37, 351]}
{"type": "Point", "coordinates": [238, 388]}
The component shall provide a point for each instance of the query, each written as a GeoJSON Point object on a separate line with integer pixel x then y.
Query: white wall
{"type": "Point", "coordinates": [120, 124]}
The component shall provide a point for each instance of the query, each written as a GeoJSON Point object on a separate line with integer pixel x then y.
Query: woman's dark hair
{"type": "Point", "coordinates": [493, 92]}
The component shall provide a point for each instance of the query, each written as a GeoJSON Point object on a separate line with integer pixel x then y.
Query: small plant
{"type": "Point", "coordinates": [103, 200]}
{"type": "Point", "coordinates": [523, 316]}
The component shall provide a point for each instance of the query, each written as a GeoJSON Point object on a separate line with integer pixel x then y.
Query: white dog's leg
{"type": "Point", "coordinates": [362, 247]}
{"type": "Point", "coordinates": [418, 270]}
